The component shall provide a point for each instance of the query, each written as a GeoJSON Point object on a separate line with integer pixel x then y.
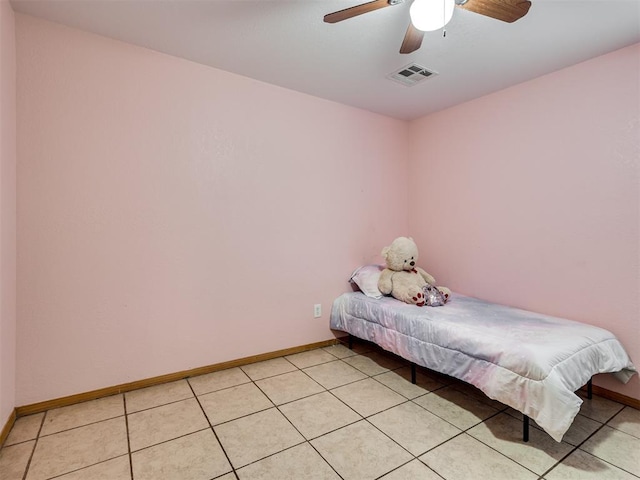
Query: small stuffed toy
{"type": "Point", "coordinates": [434, 297]}
{"type": "Point", "coordinates": [404, 280]}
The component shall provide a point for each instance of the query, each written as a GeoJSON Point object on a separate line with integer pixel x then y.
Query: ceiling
{"type": "Point", "coordinates": [286, 43]}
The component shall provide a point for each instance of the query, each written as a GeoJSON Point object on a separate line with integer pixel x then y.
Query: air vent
{"type": "Point", "coordinates": [411, 74]}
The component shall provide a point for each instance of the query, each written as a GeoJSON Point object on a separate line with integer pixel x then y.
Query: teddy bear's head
{"type": "Point", "coordinates": [402, 254]}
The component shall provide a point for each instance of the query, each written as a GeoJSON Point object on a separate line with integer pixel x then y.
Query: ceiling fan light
{"type": "Point", "coordinates": [430, 15]}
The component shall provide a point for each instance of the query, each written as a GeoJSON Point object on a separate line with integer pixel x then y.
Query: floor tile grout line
{"type": "Point", "coordinates": [462, 431]}
{"type": "Point", "coordinates": [313, 365]}
{"type": "Point", "coordinates": [405, 401]}
{"type": "Point", "coordinates": [40, 436]}
{"type": "Point", "coordinates": [612, 416]}
{"type": "Point", "coordinates": [622, 431]}
{"type": "Point", "coordinates": [240, 417]}
{"type": "Point", "coordinates": [304, 439]}
{"type": "Point", "coordinates": [562, 459]}
{"type": "Point", "coordinates": [436, 414]}
{"type": "Point", "coordinates": [381, 477]}
{"type": "Point", "coordinates": [316, 364]}
{"type": "Point", "coordinates": [147, 447]}
{"type": "Point", "coordinates": [558, 462]}
{"type": "Point", "coordinates": [250, 380]}
{"type": "Point", "coordinates": [85, 467]}
{"type": "Point", "coordinates": [334, 430]}
{"type": "Point", "coordinates": [331, 391]}
{"type": "Point", "coordinates": [233, 469]}
{"type": "Point", "coordinates": [365, 418]}
{"type": "Point", "coordinates": [245, 415]}
{"type": "Point", "coordinates": [155, 406]}
{"type": "Point", "coordinates": [498, 412]}
{"type": "Point", "coordinates": [573, 449]}
{"type": "Point", "coordinates": [80, 426]}
{"type": "Point", "coordinates": [608, 463]}
{"type": "Point", "coordinates": [324, 459]}
{"type": "Point", "coordinates": [433, 470]}
{"type": "Point", "coordinates": [309, 443]}
{"type": "Point", "coordinates": [35, 444]}
{"type": "Point", "coordinates": [417, 456]}
{"type": "Point", "coordinates": [268, 376]}
{"type": "Point", "coordinates": [439, 445]}
{"type": "Point", "coordinates": [367, 375]}
{"type": "Point", "coordinates": [196, 396]}
{"type": "Point", "coordinates": [577, 447]}
{"type": "Point", "coordinates": [22, 442]}
{"type": "Point", "coordinates": [297, 430]}
{"type": "Point", "coordinates": [605, 422]}
{"type": "Point", "coordinates": [287, 373]}
{"type": "Point", "coordinates": [386, 370]}
{"type": "Point", "coordinates": [126, 421]}
{"type": "Point", "coordinates": [219, 389]}
{"type": "Point", "coordinates": [426, 391]}
{"type": "Point", "coordinates": [337, 386]}
{"type": "Point", "coordinates": [497, 451]}
{"type": "Point", "coordinates": [338, 428]}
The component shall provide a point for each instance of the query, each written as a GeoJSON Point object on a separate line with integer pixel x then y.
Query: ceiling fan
{"type": "Point", "coordinates": [505, 10]}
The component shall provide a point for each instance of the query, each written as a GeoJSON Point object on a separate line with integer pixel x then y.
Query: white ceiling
{"type": "Point", "coordinates": [286, 43]}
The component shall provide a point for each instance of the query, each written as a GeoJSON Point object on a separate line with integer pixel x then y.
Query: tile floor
{"type": "Point", "coordinates": [328, 413]}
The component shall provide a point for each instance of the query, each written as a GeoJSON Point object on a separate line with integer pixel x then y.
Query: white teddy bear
{"type": "Point", "coordinates": [404, 280]}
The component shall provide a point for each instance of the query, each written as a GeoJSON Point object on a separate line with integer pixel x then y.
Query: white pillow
{"type": "Point", "coordinates": [366, 278]}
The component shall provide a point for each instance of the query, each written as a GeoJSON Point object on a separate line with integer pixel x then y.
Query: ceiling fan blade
{"type": "Point", "coordinates": [412, 39]}
{"type": "Point", "coordinates": [505, 10]}
{"type": "Point", "coordinates": [355, 11]}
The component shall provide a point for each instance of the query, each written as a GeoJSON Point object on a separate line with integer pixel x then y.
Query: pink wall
{"type": "Point", "coordinates": [538, 196]}
{"type": "Point", "coordinates": [7, 212]}
{"type": "Point", "coordinates": [172, 215]}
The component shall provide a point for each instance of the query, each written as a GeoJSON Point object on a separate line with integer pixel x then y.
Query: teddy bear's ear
{"type": "Point", "coordinates": [385, 252]}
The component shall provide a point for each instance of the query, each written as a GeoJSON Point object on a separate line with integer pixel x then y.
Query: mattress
{"type": "Point", "coordinates": [529, 361]}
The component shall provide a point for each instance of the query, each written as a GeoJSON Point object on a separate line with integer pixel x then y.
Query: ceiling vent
{"type": "Point", "coordinates": [411, 74]}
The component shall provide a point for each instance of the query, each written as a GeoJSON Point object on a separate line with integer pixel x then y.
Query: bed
{"type": "Point", "coordinates": [528, 361]}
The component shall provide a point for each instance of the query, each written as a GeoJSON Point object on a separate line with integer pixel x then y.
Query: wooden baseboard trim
{"type": "Point", "coordinates": [4, 433]}
{"type": "Point", "coordinates": [171, 377]}
{"type": "Point", "coordinates": [616, 397]}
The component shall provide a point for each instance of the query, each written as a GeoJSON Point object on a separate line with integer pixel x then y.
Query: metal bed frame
{"type": "Point", "coordinates": [525, 418]}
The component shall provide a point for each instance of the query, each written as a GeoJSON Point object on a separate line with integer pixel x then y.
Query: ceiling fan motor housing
{"type": "Point", "coordinates": [505, 10]}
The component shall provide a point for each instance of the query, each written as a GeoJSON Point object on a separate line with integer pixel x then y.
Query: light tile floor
{"type": "Point", "coordinates": [329, 413]}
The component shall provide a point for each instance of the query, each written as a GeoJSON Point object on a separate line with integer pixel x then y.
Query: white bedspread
{"type": "Point", "coordinates": [528, 361]}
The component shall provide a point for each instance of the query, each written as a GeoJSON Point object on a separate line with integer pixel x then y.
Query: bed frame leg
{"type": "Point", "coordinates": [413, 373]}
{"type": "Point", "coordinates": [589, 389]}
{"type": "Point", "coordinates": [525, 428]}
{"type": "Point", "coordinates": [350, 342]}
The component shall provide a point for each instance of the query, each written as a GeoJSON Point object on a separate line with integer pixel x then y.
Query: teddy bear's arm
{"type": "Point", "coordinates": [427, 278]}
{"type": "Point", "coordinates": [385, 285]}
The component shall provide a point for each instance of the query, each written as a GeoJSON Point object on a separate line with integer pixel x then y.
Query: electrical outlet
{"type": "Point", "coordinates": [317, 310]}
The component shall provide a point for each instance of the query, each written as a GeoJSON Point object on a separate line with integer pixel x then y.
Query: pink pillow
{"type": "Point", "coordinates": [366, 278]}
